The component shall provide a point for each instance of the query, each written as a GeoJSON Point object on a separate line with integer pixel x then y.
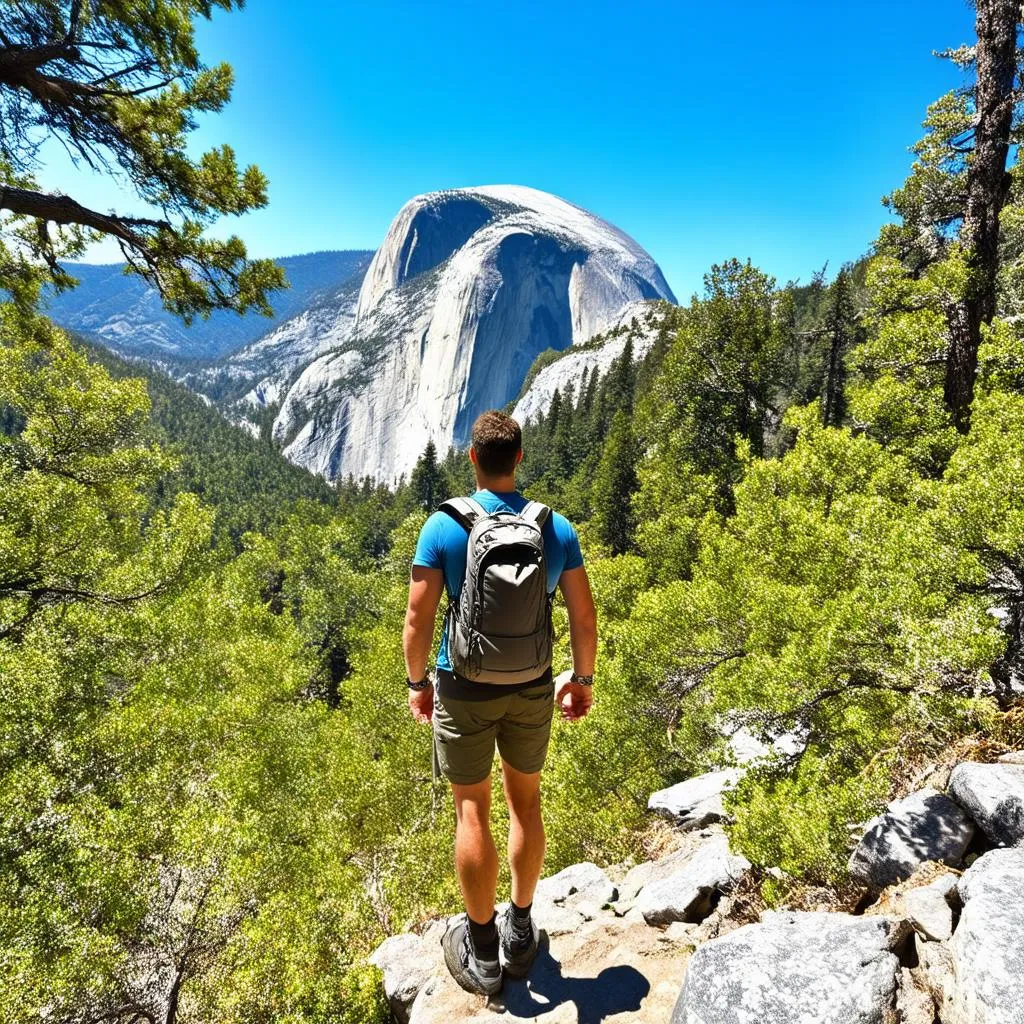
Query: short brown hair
{"type": "Point", "coordinates": [497, 441]}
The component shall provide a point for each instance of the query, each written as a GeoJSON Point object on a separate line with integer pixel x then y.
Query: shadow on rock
{"type": "Point", "coordinates": [615, 990]}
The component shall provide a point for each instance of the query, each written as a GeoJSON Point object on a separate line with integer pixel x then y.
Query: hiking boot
{"type": "Point", "coordinates": [482, 977]}
{"type": "Point", "coordinates": [519, 942]}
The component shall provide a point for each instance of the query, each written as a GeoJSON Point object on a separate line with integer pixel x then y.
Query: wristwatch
{"type": "Point", "coordinates": [582, 680]}
{"type": "Point", "coordinates": [421, 685]}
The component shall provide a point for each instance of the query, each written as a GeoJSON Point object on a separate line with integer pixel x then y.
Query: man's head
{"type": "Point", "coordinates": [497, 444]}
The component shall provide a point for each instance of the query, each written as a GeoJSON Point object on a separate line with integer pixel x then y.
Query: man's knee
{"type": "Point", "coordinates": [473, 802]}
{"type": "Point", "coordinates": [522, 792]}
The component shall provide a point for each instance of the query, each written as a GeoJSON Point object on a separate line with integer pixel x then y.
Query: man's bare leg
{"type": "Point", "coordinates": [526, 832]}
{"type": "Point", "coordinates": [476, 857]}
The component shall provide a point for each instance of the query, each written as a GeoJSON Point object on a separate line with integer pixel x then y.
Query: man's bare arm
{"type": "Point", "coordinates": [425, 589]}
{"type": "Point", "coordinates": [579, 602]}
{"type": "Point", "coordinates": [574, 698]}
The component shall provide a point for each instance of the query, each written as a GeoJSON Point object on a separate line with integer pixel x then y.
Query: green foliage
{"type": "Point", "coordinates": [244, 479]}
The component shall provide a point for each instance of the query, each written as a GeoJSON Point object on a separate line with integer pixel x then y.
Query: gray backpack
{"type": "Point", "coordinates": [500, 630]}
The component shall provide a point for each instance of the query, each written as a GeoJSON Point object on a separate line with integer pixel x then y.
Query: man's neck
{"type": "Point", "coordinates": [497, 484]}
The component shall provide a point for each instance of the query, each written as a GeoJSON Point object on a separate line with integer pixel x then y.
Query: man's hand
{"type": "Point", "coordinates": [421, 704]}
{"type": "Point", "coordinates": [573, 699]}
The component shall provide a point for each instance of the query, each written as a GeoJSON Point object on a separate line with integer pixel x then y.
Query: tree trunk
{"type": "Point", "coordinates": [987, 184]}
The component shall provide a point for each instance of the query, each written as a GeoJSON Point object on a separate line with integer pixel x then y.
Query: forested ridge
{"type": "Point", "coordinates": [802, 511]}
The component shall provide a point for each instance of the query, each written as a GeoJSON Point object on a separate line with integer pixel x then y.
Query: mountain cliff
{"type": "Point", "coordinates": [468, 287]}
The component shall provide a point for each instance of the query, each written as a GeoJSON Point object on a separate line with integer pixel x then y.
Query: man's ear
{"type": "Point", "coordinates": [519, 456]}
{"type": "Point", "coordinates": [472, 455]}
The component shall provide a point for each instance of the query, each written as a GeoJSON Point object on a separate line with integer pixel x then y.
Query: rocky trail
{"type": "Point", "coordinates": [938, 937]}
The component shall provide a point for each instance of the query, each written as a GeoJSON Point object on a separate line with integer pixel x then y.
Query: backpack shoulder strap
{"type": "Point", "coordinates": [536, 512]}
{"type": "Point", "coordinates": [465, 511]}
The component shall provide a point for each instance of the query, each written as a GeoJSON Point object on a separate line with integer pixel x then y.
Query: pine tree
{"type": "Point", "coordinates": [839, 325]}
{"type": "Point", "coordinates": [429, 483]}
{"type": "Point", "coordinates": [614, 486]}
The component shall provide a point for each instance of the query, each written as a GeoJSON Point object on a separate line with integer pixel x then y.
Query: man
{"type": "Point", "coordinates": [470, 717]}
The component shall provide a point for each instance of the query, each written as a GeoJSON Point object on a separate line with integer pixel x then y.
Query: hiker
{"type": "Point", "coordinates": [500, 558]}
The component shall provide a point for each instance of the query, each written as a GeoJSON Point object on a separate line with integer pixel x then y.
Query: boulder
{"type": "Point", "coordinates": [925, 826]}
{"type": "Point", "coordinates": [993, 794]}
{"type": "Point", "coordinates": [988, 945]}
{"type": "Point", "coordinates": [928, 908]}
{"type": "Point", "coordinates": [404, 961]}
{"type": "Point", "coordinates": [689, 893]}
{"type": "Point", "coordinates": [792, 968]}
{"type": "Point", "coordinates": [586, 881]}
{"type": "Point", "coordinates": [653, 870]}
{"type": "Point", "coordinates": [1014, 757]}
{"type": "Point", "coordinates": [746, 748]}
{"type": "Point", "coordinates": [696, 802]}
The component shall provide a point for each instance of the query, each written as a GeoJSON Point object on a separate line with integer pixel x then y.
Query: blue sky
{"type": "Point", "coordinates": [704, 130]}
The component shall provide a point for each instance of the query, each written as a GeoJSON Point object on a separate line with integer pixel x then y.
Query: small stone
{"type": "Point", "coordinates": [928, 910]}
{"type": "Point", "coordinates": [924, 826]}
{"type": "Point", "coordinates": [993, 795]}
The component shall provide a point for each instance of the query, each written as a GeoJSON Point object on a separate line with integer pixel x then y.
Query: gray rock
{"type": "Point", "coordinates": [794, 968]}
{"type": "Point", "coordinates": [1014, 757]}
{"type": "Point", "coordinates": [651, 871]}
{"type": "Point", "coordinates": [928, 908]}
{"type": "Point", "coordinates": [747, 748]}
{"type": "Point", "coordinates": [993, 794]}
{"type": "Point", "coordinates": [406, 967]}
{"type": "Point", "coordinates": [697, 801]}
{"type": "Point", "coordinates": [924, 826]}
{"type": "Point", "coordinates": [689, 893]}
{"type": "Point", "coordinates": [587, 880]}
{"type": "Point", "coordinates": [554, 918]}
{"type": "Point", "coordinates": [988, 945]}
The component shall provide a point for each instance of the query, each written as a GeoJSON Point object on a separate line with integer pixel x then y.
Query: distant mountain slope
{"type": "Point", "coordinates": [259, 373]}
{"type": "Point", "coordinates": [249, 483]}
{"type": "Point", "coordinates": [641, 322]}
{"type": "Point", "coordinates": [125, 314]}
{"type": "Point", "coordinates": [467, 288]}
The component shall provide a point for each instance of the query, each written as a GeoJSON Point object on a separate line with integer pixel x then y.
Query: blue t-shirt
{"type": "Point", "coordinates": [442, 545]}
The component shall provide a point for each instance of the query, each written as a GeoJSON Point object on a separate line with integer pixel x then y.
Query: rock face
{"type": "Point", "coordinates": [467, 288]}
{"type": "Point", "coordinates": [993, 795]}
{"type": "Point", "coordinates": [696, 802]}
{"type": "Point", "coordinates": [638, 324]}
{"type": "Point", "coordinates": [924, 826]}
{"type": "Point", "coordinates": [689, 892]}
{"type": "Point", "coordinates": [988, 945]}
{"type": "Point", "coordinates": [794, 967]}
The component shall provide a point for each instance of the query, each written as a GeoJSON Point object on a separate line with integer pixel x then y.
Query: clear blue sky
{"type": "Point", "coordinates": [704, 130]}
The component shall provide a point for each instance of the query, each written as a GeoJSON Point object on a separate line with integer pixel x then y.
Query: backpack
{"type": "Point", "coordinates": [499, 630]}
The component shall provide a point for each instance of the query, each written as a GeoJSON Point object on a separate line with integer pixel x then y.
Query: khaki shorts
{"type": "Point", "coordinates": [465, 733]}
